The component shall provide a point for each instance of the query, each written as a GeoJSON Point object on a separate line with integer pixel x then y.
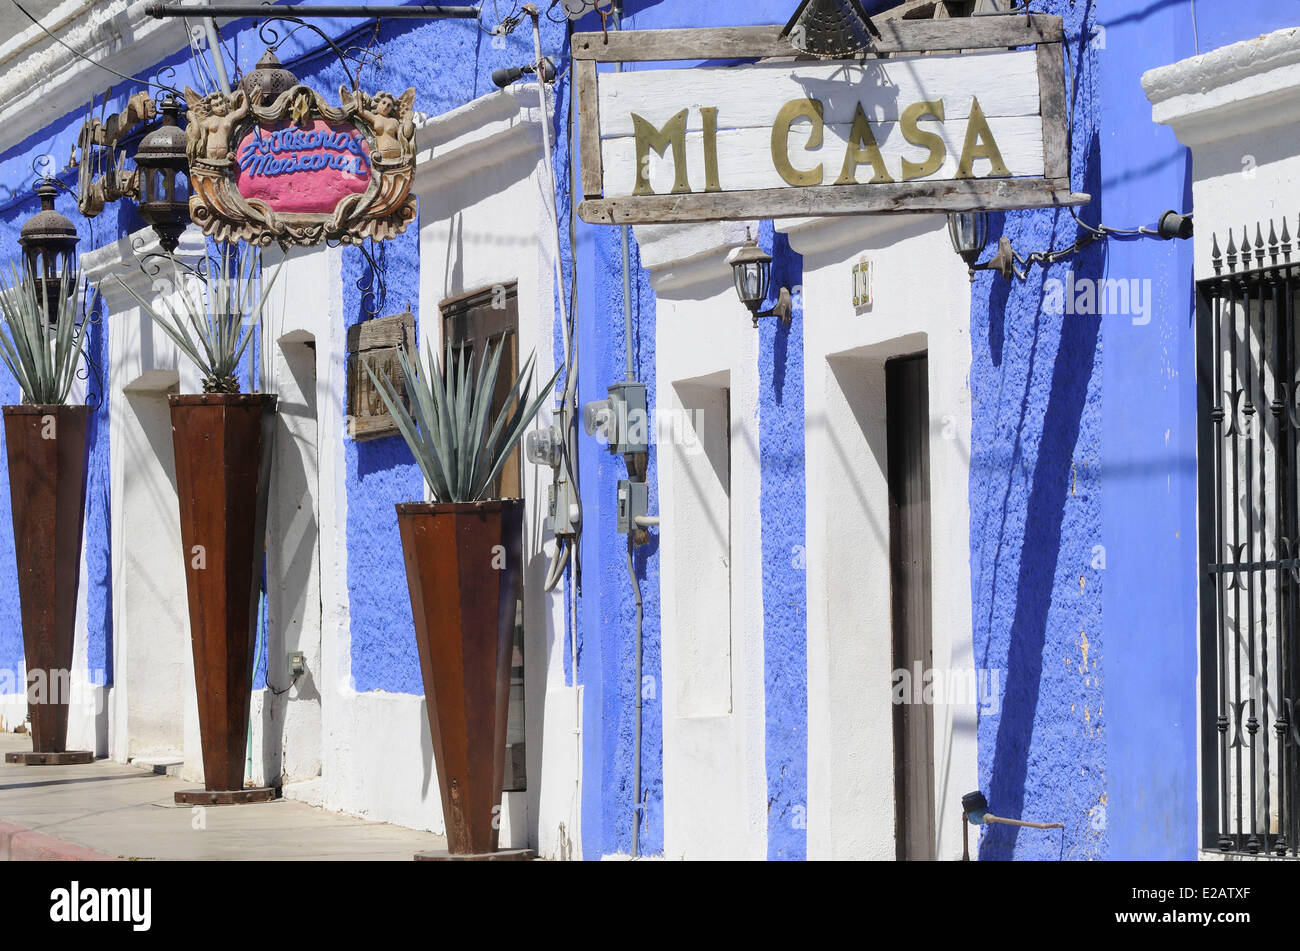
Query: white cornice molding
{"type": "Point", "coordinates": [41, 81]}
{"type": "Point", "coordinates": [488, 131]}
{"type": "Point", "coordinates": [681, 256]}
{"type": "Point", "coordinates": [1236, 90]}
{"type": "Point", "coordinates": [850, 235]}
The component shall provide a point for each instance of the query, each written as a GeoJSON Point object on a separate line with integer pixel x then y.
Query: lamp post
{"type": "Point", "coordinates": [751, 269]}
{"type": "Point", "coordinates": [49, 242]}
{"type": "Point", "coordinates": [164, 178]}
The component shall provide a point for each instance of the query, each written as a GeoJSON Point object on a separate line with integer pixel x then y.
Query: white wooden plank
{"type": "Point", "coordinates": [745, 155]}
{"type": "Point", "coordinates": [1006, 84]}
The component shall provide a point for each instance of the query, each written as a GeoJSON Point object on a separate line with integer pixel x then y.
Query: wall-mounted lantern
{"type": "Point", "coordinates": [49, 242]}
{"type": "Point", "coordinates": [751, 269]}
{"type": "Point", "coordinates": [164, 178]}
{"type": "Point", "coordinates": [969, 232]}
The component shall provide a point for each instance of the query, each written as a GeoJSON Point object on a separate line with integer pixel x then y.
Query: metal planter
{"type": "Point", "coordinates": [222, 444]}
{"type": "Point", "coordinates": [462, 569]}
{"type": "Point", "coordinates": [46, 446]}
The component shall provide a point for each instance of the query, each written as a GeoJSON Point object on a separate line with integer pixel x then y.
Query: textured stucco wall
{"type": "Point", "coordinates": [785, 615]}
{"type": "Point", "coordinates": [1035, 516]}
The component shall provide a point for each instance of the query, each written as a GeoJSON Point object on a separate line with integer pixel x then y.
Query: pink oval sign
{"type": "Point", "coordinates": [303, 169]}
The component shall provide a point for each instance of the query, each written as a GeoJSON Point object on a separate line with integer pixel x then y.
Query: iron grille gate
{"type": "Point", "coordinates": [1248, 354]}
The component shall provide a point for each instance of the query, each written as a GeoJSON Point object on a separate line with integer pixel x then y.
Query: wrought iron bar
{"type": "Point", "coordinates": [1249, 461]}
{"type": "Point", "coordinates": [160, 11]}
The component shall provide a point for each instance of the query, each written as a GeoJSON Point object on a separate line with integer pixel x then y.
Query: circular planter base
{"type": "Point", "coordinates": [67, 758]}
{"type": "Point", "coordinates": [502, 855]}
{"type": "Point", "coordinates": [226, 797]}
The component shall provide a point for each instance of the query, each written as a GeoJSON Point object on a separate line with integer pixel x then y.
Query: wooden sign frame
{"type": "Point", "coordinates": [1044, 32]}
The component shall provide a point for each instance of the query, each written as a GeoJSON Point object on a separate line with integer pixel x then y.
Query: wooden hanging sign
{"type": "Point", "coordinates": [300, 170]}
{"type": "Point", "coordinates": [942, 115]}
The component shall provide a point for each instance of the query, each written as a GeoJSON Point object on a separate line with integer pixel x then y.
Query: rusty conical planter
{"type": "Point", "coordinates": [462, 568]}
{"type": "Point", "coordinates": [222, 444]}
{"type": "Point", "coordinates": [46, 446]}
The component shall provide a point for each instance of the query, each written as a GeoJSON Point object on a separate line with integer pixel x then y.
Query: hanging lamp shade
{"type": "Point", "coordinates": [831, 29]}
{"type": "Point", "coordinates": [269, 76]}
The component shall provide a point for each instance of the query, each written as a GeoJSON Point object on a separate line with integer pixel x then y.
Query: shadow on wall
{"type": "Point", "coordinates": [1048, 493]}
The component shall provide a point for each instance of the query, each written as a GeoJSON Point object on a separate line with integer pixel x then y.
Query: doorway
{"type": "Point", "coordinates": [907, 408]}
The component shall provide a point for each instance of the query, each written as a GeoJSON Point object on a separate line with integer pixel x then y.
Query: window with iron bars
{"type": "Point", "coordinates": [1248, 366]}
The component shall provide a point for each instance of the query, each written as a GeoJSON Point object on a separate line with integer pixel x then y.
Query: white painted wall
{"type": "Point", "coordinates": [715, 783]}
{"type": "Point", "coordinates": [922, 302]}
{"type": "Point", "coordinates": [153, 712]}
{"type": "Point", "coordinates": [1238, 109]}
{"type": "Point", "coordinates": [485, 220]}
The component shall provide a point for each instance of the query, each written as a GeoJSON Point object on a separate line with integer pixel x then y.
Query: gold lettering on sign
{"type": "Point", "coordinates": [810, 109]}
{"type": "Point", "coordinates": [672, 135]}
{"type": "Point", "coordinates": [863, 150]}
{"type": "Point", "coordinates": [979, 144]}
{"type": "Point", "coordinates": [912, 115]}
{"type": "Point", "coordinates": [711, 181]}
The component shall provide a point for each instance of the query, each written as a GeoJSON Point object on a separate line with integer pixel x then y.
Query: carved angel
{"type": "Point", "coordinates": [211, 120]}
{"type": "Point", "coordinates": [393, 120]}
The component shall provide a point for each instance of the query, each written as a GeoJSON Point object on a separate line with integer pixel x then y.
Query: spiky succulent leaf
{"type": "Point", "coordinates": [460, 447]}
{"type": "Point", "coordinates": [43, 356]}
{"type": "Point", "coordinates": [214, 329]}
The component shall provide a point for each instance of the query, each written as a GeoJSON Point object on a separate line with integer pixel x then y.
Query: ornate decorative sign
{"type": "Point", "coordinates": [975, 120]}
{"type": "Point", "coordinates": [300, 170]}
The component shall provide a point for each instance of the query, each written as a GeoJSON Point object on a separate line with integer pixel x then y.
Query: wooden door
{"type": "Point", "coordinates": [908, 424]}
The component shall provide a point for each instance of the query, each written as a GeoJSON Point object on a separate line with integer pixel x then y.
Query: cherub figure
{"type": "Point", "coordinates": [393, 120]}
{"type": "Point", "coordinates": [211, 120]}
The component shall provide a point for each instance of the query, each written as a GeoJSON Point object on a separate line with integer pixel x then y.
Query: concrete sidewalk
{"type": "Point", "coordinates": [105, 810]}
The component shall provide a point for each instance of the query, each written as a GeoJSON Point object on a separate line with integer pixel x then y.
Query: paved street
{"type": "Point", "coordinates": [127, 812]}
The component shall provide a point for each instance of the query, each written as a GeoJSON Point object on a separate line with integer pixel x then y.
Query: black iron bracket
{"type": "Point", "coordinates": [161, 11]}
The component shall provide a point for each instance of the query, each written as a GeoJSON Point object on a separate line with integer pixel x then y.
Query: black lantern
{"type": "Point", "coordinates": [49, 243]}
{"type": "Point", "coordinates": [270, 77]}
{"type": "Point", "coordinates": [164, 178]}
{"type": "Point", "coordinates": [751, 269]}
{"type": "Point", "coordinates": [831, 29]}
{"type": "Point", "coordinates": [969, 232]}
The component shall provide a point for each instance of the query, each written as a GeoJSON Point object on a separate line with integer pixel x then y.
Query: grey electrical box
{"type": "Point", "coordinates": [562, 507]}
{"type": "Point", "coordinates": [297, 664]}
{"type": "Point", "coordinates": [633, 503]}
{"type": "Point", "coordinates": [631, 411]}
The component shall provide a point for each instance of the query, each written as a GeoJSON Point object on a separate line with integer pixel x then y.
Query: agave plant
{"type": "Point", "coordinates": [459, 447]}
{"type": "Point", "coordinates": [214, 329]}
{"type": "Point", "coordinates": [42, 355]}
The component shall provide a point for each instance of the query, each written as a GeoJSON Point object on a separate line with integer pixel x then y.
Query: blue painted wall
{"type": "Point", "coordinates": [1148, 463]}
{"type": "Point", "coordinates": [1082, 485]}
{"type": "Point", "coordinates": [1035, 515]}
{"type": "Point", "coordinates": [785, 590]}
{"type": "Point", "coordinates": [20, 167]}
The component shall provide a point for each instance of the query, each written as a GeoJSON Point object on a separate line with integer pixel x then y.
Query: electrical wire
{"type": "Point", "coordinates": [636, 742]}
{"type": "Point", "coordinates": [1092, 233]}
